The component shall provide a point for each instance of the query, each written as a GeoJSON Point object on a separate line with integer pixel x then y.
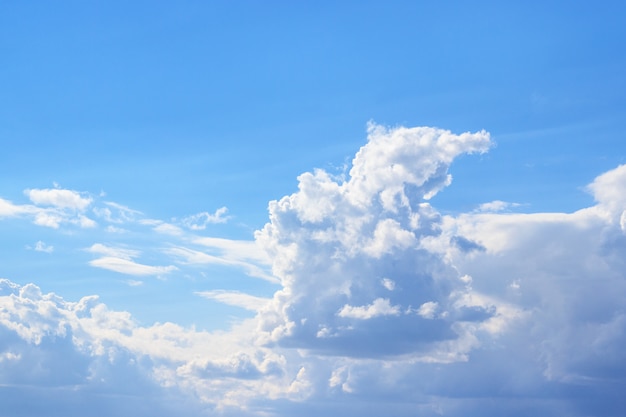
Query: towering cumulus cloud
{"type": "Point", "coordinates": [357, 281]}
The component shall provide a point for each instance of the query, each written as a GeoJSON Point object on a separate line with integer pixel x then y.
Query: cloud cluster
{"type": "Point", "coordinates": [384, 306]}
{"type": "Point", "coordinates": [51, 208]}
{"type": "Point", "coordinates": [355, 276]}
{"type": "Point", "coordinates": [83, 349]}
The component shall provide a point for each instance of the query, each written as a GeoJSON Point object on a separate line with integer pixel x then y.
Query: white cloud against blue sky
{"type": "Point", "coordinates": [197, 218]}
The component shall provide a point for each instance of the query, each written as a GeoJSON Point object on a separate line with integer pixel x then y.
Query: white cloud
{"type": "Point", "coordinates": [332, 242]}
{"type": "Point", "coordinates": [379, 307]}
{"type": "Point", "coordinates": [129, 267]}
{"type": "Point", "coordinates": [236, 298]}
{"type": "Point", "coordinates": [201, 220]}
{"type": "Point", "coordinates": [235, 249]}
{"type": "Point", "coordinates": [42, 247]}
{"type": "Point", "coordinates": [386, 306]}
{"type": "Point", "coordinates": [195, 257]}
{"type": "Point", "coordinates": [116, 213]}
{"type": "Point", "coordinates": [83, 349]}
{"type": "Point", "coordinates": [168, 229]}
{"type": "Point", "coordinates": [48, 219]}
{"type": "Point", "coordinates": [495, 206]}
{"type": "Point", "coordinates": [389, 284]}
{"type": "Point", "coordinates": [8, 209]}
{"type": "Point", "coordinates": [121, 260]}
{"type": "Point", "coordinates": [60, 198]}
{"type": "Point", "coordinates": [59, 206]}
{"type": "Point", "coordinates": [114, 229]}
{"type": "Point", "coordinates": [116, 252]}
{"type": "Point", "coordinates": [428, 309]}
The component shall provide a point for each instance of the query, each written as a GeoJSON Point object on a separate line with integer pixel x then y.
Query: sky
{"type": "Point", "coordinates": [350, 208]}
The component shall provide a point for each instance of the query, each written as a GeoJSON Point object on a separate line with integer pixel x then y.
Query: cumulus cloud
{"type": "Point", "coordinates": [60, 198]}
{"type": "Point", "coordinates": [335, 240]}
{"type": "Point", "coordinates": [385, 305]}
{"type": "Point", "coordinates": [85, 352]}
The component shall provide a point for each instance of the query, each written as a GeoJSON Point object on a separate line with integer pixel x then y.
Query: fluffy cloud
{"type": "Point", "coordinates": [60, 198]}
{"type": "Point", "coordinates": [8, 209]}
{"type": "Point", "coordinates": [335, 240]}
{"type": "Point", "coordinates": [89, 354]}
{"type": "Point", "coordinates": [52, 207]}
{"type": "Point", "coordinates": [379, 307]}
{"type": "Point", "coordinates": [385, 307]}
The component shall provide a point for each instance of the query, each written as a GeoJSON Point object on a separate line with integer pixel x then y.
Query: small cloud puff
{"type": "Point", "coordinates": [52, 207]}
{"type": "Point", "coordinates": [201, 220]}
{"type": "Point", "coordinates": [60, 198]}
{"type": "Point", "coordinates": [40, 246]}
{"type": "Point", "coordinates": [379, 307]}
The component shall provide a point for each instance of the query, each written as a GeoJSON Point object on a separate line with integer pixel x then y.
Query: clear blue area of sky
{"type": "Point", "coordinates": [178, 108]}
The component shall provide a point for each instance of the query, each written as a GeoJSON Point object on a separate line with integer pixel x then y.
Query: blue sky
{"type": "Point", "coordinates": [347, 208]}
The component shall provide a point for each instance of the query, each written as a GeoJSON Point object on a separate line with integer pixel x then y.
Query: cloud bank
{"type": "Point", "coordinates": [385, 306]}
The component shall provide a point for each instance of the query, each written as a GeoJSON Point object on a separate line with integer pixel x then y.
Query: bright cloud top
{"type": "Point", "coordinates": [335, 240]}
{"type": "Point", "coordinates": [52, 207]}
{"type": "Point", "coordinates": [383, 306]}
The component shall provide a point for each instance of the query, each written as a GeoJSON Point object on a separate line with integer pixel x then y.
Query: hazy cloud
{"type": "Point", "coordinates": [126, 266]}
{"type": "Point", "coordinates": [379, 307]}
{"type": "Point", "coordinates": [121, 260]}
{"type": "Point", "coordinates": [201, 220]}
{"type": "Point", "coordinates": [236, 298]}
{"type": "Point", "coordinates": [40, 246]}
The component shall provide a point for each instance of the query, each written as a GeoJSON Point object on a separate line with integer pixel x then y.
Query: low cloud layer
{"type": "Point", "coordinates": [384, 305]}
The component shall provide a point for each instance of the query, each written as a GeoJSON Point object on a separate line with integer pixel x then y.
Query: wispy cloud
{"type": "Point", "coordinates": [117, 252]}
{"type": "Point", "coordinates": [52, 208]}
{"type": "Point", "coordinates": [191, 256]}
{"type": "Point", "coordinates": [129, 267]}
{"type": "Point", "coordinates": [201, 220]}
{"type": "Point", "coordinates": [121, 260]}
{"type": "Point", "coordinates": [236, 298]}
